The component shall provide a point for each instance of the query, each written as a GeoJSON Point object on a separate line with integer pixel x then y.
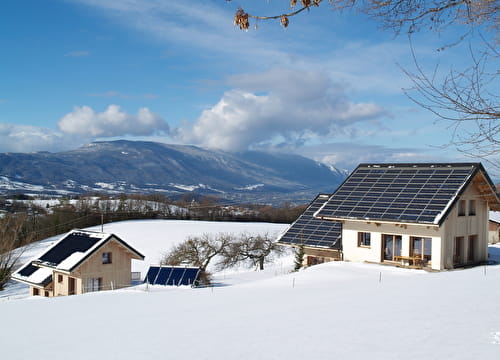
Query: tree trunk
{"type": "Point", "coordinates": [261, 263]}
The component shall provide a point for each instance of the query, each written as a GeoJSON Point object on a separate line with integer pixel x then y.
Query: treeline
{"type": "Point", "coordinates": [45, 218]}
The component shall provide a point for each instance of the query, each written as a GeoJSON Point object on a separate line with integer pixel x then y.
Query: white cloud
{"type": "Point", "coordinates": [349, 155]}
{"type": "Point", "coordinates": [23, 138]}
{"type": "Point", "coordinates": [113, 121]}
{"type": "Point", "coordinates": [279, 105]}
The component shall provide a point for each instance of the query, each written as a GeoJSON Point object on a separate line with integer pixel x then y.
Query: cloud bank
{"type": "Point", "coordinates": [24, 138]}
{"type": "Point", "coordinates": [278, 105]}
{"type": "Point", "coordinates": [85, 121]}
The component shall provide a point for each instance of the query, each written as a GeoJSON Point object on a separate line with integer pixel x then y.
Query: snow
{"type": "Point", "coordinates": [250, 187]}
{"type": "Point", "coordinates": [337, 310]}
{"type": "Point", "coordinates": [495, 216]}
{"type": "Point", "coordinates": [71, 260]}
{"type": "Point", "coordinates": [38, 276]}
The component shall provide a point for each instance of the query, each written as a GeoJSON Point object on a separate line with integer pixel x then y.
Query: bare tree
{"type": "Point", "coordinates": [10, 243]}
{"type": "Point", "coordinates": [254, 249]}
{"type": "Point", "coordinates": [464, 100]}
{"type": "Point", "coordinates": [198, 251]}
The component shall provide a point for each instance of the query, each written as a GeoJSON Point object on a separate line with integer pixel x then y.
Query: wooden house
{"type": "Point", "coordinates": [421, 215]}
{"type": "Point", "coordinates": [81, 261]}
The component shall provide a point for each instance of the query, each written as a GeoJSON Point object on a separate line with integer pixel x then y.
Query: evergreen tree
{"type": "Point", "coordinates": [299, 257]}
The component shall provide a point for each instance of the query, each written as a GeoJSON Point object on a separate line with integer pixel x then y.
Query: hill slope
{"type": "Point", "coordinates": [335, 310]}
{"type": "Point", "coordinates": [126, 166]}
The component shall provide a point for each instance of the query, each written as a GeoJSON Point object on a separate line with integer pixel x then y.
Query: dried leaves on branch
{"type": "Point", "coordinates": [241, 18]}
{"type": "Point", "coordinates": [398, 15]}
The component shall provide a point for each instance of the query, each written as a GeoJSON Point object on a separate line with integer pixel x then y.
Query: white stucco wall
{"type": "Point", "coordinates": [353, 252]}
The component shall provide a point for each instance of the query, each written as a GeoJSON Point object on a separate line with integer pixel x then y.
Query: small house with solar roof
{"type": "Point", "coordinates": [419, 215]}
{"type": "Point", "coordinates": [81, 261]}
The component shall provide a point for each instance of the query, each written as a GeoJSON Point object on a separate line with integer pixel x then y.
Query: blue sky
{"type": "Point", "coordinates": [329, 87]}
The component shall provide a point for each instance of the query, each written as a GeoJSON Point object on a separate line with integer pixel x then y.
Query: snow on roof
{"type": "Point", "coordinates": [495, 216]}
{"type": "Point", "coordinates": [33, 275]}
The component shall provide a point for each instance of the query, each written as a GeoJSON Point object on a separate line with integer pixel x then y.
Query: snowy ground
{"type": "Point", "coordinates": [331, 311]}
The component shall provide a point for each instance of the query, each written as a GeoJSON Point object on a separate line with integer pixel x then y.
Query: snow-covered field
{"type": "Point", "coordinates": [331, 311]}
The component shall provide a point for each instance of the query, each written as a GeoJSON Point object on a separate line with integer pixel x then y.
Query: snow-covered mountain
{"type": "Point", "coordinates": [141, 167]}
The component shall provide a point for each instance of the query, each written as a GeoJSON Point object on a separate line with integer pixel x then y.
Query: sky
{"type": "Point", "coordinates": [329, 87]}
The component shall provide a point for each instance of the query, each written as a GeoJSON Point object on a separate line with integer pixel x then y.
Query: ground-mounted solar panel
{"type": "Point", "coordinates": [403, 192]}
{"type": "Point", "coordinates": [172, 275]}
{"type": "Point", "coordinates": [152, 274]}
{"type": "Point", "coordinates": [311, 231]}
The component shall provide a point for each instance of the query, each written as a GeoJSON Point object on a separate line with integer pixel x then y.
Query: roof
{"type": "Point", "coordinates": [172, 275]}
{"type": "Point", "coordinates": [311, 231]}
{"type": "Point", "coordinates": [66, 255]}
{"type": "Point", "coordinates": [406, 193]}
{"type": "Point", "coordinates": [495, 216]}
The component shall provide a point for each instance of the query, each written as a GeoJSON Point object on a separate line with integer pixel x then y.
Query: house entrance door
{"type": "Point", "coordinates": [391, 246]}
{"type": "Point", "coordinates": [71, 286]}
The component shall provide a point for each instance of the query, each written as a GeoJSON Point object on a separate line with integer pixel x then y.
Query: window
{"type": "Point", "coordinates": [364, 239]}
{"type": "Point", "coordinates": [106, 258]}
{"type": "Point", "coordinates": [59, 278]}
{"type": "Point", "coordinates": [46, 294]}
{"type": "Point", "coordinates": [94, 284]}
{"type": "Point", "coordinates": [461, 208]}
{"type": "Point", "coordinates": [472, 207]}
{"type": "Point", "coordinates": [36, 292]}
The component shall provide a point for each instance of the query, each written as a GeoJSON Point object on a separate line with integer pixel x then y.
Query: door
{"type": "Point", "coordinates": [71, 286]}
{"type": "Point", "coordinates": [458, 250]}
{"type": "Point", "coordinates": [391, 247]}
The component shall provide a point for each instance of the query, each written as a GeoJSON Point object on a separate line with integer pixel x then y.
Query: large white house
{"type": "Point", "coordinates": [422, 215]}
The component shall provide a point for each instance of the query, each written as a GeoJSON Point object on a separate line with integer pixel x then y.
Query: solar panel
{"type": "Point", "coordinates": [406, 192]}
{"type": "Point", "coordinates": [172, 275]}
{"type": "Point", "coordinates": [152, 274]}
{"type": "Point", "coordinates": [311, 231]}
{"type": "Point", "coordinates": [73, 242]}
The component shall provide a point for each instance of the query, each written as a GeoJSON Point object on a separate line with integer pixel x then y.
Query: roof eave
{"type": "Point", "coordinates": [369, 220]}
{"type": "Point", "coordinates": [24, 281]}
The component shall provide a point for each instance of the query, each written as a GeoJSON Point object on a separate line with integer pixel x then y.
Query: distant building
{"type": "Point", "coordinates": [421, 215]}
{"type": "Point", "coordinates": [494, 227]}
{"type": "Point", "coordinates": [81, 261]}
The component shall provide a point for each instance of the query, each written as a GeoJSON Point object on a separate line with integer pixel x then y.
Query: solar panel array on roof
{"type": "Point", "coordinates": [409, 193]}
{"type": "Point", "coordinates": [172, 275]}
{"type": "Point", "coordinates": [33, 274]}
{"type": "Point", "coordinates": [311, 231]}
{"type": "Point", "coordinates": [73, 242]}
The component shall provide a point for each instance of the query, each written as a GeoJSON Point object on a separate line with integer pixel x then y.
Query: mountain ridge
{"type": "Point", "coordinates": [124, 166]}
